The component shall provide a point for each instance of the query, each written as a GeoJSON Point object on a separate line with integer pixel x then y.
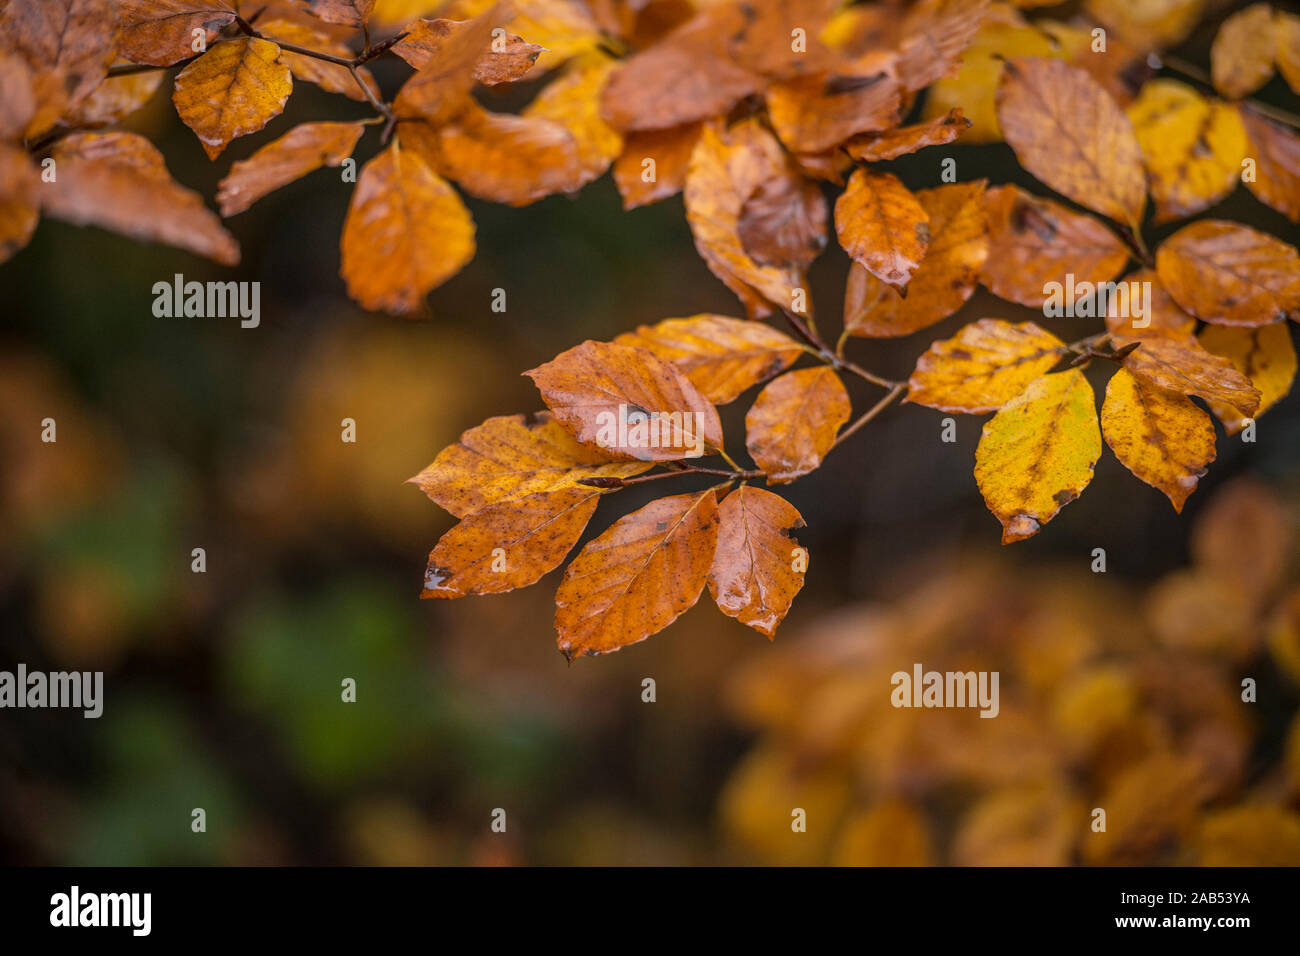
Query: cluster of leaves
{"type": "Point", "coordinates": [1109, 698]}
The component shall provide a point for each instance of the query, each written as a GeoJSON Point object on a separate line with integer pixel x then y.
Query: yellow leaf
{"type": "Point", "coordinates": [1159, 435]}
{"type": "Point", "coordinates": [234, 89]}
{"type": "Point", "coordinates": [891, 833]}
{"type": "Point", "coordinates": [1149, 24]}
{"type": "Point", "coordinates": [983, 367]}
{"type": "Point", "coordinates": [793, 422]}
{"type": "Point", "coordinates": [753, 577]}
{"type": "Point", "coordinates": [1037, 454]}
{"type": "Point", "coordinates": [1264, 355]}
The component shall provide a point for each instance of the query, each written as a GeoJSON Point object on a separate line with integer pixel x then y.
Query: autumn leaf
{"type": "Point", "coordinates": [572, 102]}
{"type": "Point", "coordinates": [983, 366]}
{"type": "Point", "coordinates": [118, 181]}
{"type": "Point", "coordinates": [405, 233]}
{"type": "Point", "coordinates": [877, 147]}
{"type": "Point", "coordinates": [935, 33]}
{"type": "Point", "coordinates": [161, 32]}
{"type": "Point", "coordinates": [506, 59]}
{"type": "Point", "coordinates": [19, 204]}
{"type": "Point", "coordinates": [1159, 435]}
{"type": "Point", "coordinates": [1150, 24]}
{"type": "Point", "coordinates": [1192, 149]}
{"type": "Point", "coordinates": [753, 577]}
{"type": "Point", "coordinates": [510, 544]}
{"type": "Point", "coordinates": [234, 89]}
{"type": "Point", "coordinates": [333, 77]}
{"type": "Point", "coordinates": [1068, 131]}
{"type": "Point", "coordinates": [638, 577]}
{"type": "Point", "coordinates": [594, 387]}
{"type": "Point", "coordinates": [1163, 315]}
{"type": "Point", "coordinates": [721, 356]}
{"type": "Point", "coordinates": [115, 99]}
{"type": "Point", "coordinates": [17, 97]}
{"type": "Point", "coordinates": [1182, 365]}
{"type": "Point", "coordinates": [1277, 162]}
{"type": "Point", "coordinates": [1033, 242]}
{"type": "Point", "coordinates": [349, 13]}
{"type": "Point", "coordinates": [1241, 58]}
{"type": "Point", "coordinates": [640, 183]}
{"type": "Point", "coordinates": [1037, 454]}
{"type": "Point", "coordinates": [440, 89]}
{"type": "Point", "coordinates": [793, 422]}
{"type": "Point", "coordinates": [944, 281]}
{"type": "Point", "coordinates": [1264, 355]}
{"type": "Point", "coordinates": [814, 113]}
{"type": "Point", "coordinates": [1230, 274]}
{"type": "Point", "coordinates": [302, 150]}
{"type": "Point", "coordinates": [783, 223]}
{"type": "Point", "coordinates": [882, 226]}
{"type": "Point", "coordinates": [508, 458]}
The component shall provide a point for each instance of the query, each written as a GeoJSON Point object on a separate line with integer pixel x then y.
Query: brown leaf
{"type": "Point", "coordinates": [721, 356]}
{"type": "Point", "coordinates": [983, 366]}
{"type": "Point", "coordinates": [1241, 58]}
{"type": "Point", "coordinates": [689, 75]}
{"type": "Point", "coordinates": [1161, 436]}
{"type": "Point", "coordinates": [1230, 274]}
{"type": "Point", "coordinates": [600, 390]}
{"type": "Point", "coordinates": [115, 99]}
{"type": "Point", "coordinates": [348, 13]}
{"type": "Point", "coordinates": [234, 89]}
{"type": "Point", "coordinates": [935, 32]}
{"type": "Point", "coordinates": [302, 150]}
{"type": "Point", "coordinates": [815, 113]}
{"type": "Point", "coordinates": [406, 232]}
{"type": "Point", "coordinates": [1264, 355]}
{"type": "Point", "coordinates": [440, 89]}
{"type": "Point", "coordinates": [1069, 132]}
{"type": "Point", "coordinates": [783, 223]}
{"type": "Point", "coordinates": [638, 577]}
{"type": "Point", "coordinates": [510, 544]}
{"type": "Point", "coordinates": [1277, 163]}
{"type": "Point", "coordinates": [332, 77]}
{"type": "Point", "coordinates": [753, 577]}
{"type": "Point", "coordinates": [882, 226]}
{"type": "Point", "coordinates": [68, 45]}
{"type": "Point", "coordinates": [118, 181]}
{"type": "Point", "coordinates": [507, 458]}
{"type": "Point", "coordinates": [793, 422]}
{"type": "Point", "coordinates": [1035, 241]}
{"type": "Point", "coordinates": [765, 45]}
{"type": "Point", "coordinates": [19, 204]}
{"type": "Point", "coordinates": [946, 278]}
{"type": "Point", "coordinates": [17, 97]}
{"type": "Point", "coordinates": [640, 183]}
{"type": "Point", "coordinates": [1165, 316]}
{"type": "Point", "coordinates": [877, 147]}
{"type": "Point", "coordinates": [1181, 365]}
{"type": "Point", "coordinates": [507, 58]}
{"type": "Point", "coordinates": [161, 32]}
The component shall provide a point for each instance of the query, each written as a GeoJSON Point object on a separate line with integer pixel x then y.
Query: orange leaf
{"type": "Point", "coordinates": [68, 45]}
{"type": "Point", "coordinates": [333, 77]}
{"type": "Point", "coordinates": [1277, 163]}
{"type": "Point", "coordinates": [793, 422]}
{"type": "Point", "coordinates": [406, 232]}
{"type": "Point", "coordinates": [598, 390]}
{"type": "Point", "coordinates": [1230, 274]}
{"type": "Point", "coordinates": [1068, 131]}
{"type": "Point", "coordinates": [509, 545]}
{"type": "Point", "coordinates": [302, 150]}
{"type": "Point", "coordinates": [507, 59]}
{"type": "Point", "coordinates": [234, 89]}
{"type": "Point", "coordinates": [572, 102]}
{"type": "Point", "coordinates": [882, 226]}
{"type": "Point", "coordinates": [753, 577]}
{"type": "Point", "coordinates": [161, 32]}
{"type": "Point", "coordinates": [983, 367]}
{"type": "Point", "coordinates": [1181, 365]}
{"type": "Point", "coordinates": [815, 113]}
{"type": "Point", "coordinates": [935, 32]}
{"type": "Point", "coordinates": [638, 577]}
{"type": "Point", "coordinates": [1241, 57]}
{"type": "Point", "coordinates": [440, 89]}
{"type": "Point", "coordinates": [118, 181]}
{"type": "Point", "coordinates": [639, 182]}
{"type": "Point", "coordinates": [876, 147]}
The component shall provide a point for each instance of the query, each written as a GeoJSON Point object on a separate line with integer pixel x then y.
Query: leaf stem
{"type": "Point", "coordinates": [831, 358]}
{"type": "Point", "coordinates": [1192, 72]}
{"type": "Point", "coordinates": [871, 413]}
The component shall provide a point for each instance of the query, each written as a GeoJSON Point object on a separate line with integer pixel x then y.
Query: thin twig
{"type": "Point", "coordinates": [1192, 72]}
{"type": "Point", "coordinates": [871, 413]}
{"type": "Point", "coordinates": [835, 361]}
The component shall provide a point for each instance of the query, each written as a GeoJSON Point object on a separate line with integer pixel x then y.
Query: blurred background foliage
{"type": "Point", "coordinates": [223, 689]}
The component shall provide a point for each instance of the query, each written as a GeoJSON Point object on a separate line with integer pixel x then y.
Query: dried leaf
{"type": "Point", "coordinates": [753, 577]}
{"type": "Point", "coordinates": [507, 58]}
{"type": "Point", "coordinates": [935, 33]}
{"type": "Point", "coordinates": [1037, 454]}
{"type": "Point", "coordinates": [1181, 365]}
{"type": "Point", "coordinates": [639, 182]}
{"type": "Point", "coordinates": [302, 150]}
{"type": "Point", "coordinates": [594, 387]}
{"type": "Point", "coordinates": [721, 356]}
{"type": "Point", "coordinates": [1241, 58]}
{"type": "Point", "coordinates": [1264, 355]}
{"type": "Point", "coordinates": [234, 89]}
{"type": "Point", "coordinates": [1159, 435]}
{"type": "Point", "coordinates": [510, 544]}
{"type": "Point", "coordinates": [1276, 150]}
{"type": "Point", "coordinates": [793, 422]}
{"type": "Point", "coordinates": [1033, 242]}
{"type": "Point", "coordinates": [1192, 148]}
{"type": "Point", "coordinates": [440, 89]}
{"type": "Point", "coordinates": [983, 366]}
{"type": "Point", "coordinates": [946, 278]}
{"type": "Point", "coordinates": [118, 181]}
{"type": "Point", "coordinates": [68, 45]}
{"type": "Point", "coordinates": [783, 223]}
{"type": "Point", "coordinates": [349, 13]}
{"type": "Point", "coordinates": [406, 232]}
{"type": "Point", "coordinates": [333, 77]}
{"type": "Point", "coordinates": [161, 32]}
{"type": "Point", "coordinates": [815, 113]}
{"type": "Point", "coordinates": [115, 99]}
{"type": "Point", "coordinates": [507, 458]}
{"type": "Point", "coordinates": [1068, 131]}
{"type": "Point", "coordinates": [572, 102]}
{"type": "Point", "coordinates": [638, 577]}
{"type": "Point", "coordinates": [1230, 274]}
{"type": "Point", "coordinates": [882, 226]}
{"type": "Point", "coordinates": [877, 147]}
